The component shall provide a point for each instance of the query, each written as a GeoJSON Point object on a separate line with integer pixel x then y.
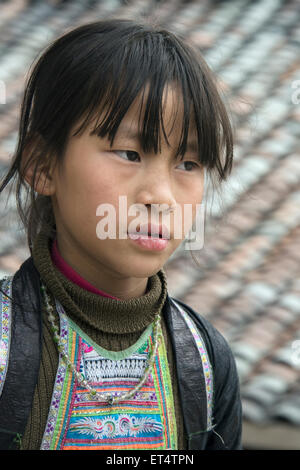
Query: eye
{"type": "Point", "coordinates": [129, 155]}
{"type": "Point", "coordinates": [190, 165]}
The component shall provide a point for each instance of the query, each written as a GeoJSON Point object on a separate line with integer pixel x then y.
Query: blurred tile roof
{"type": "Point", "coordinates": [247, 280]}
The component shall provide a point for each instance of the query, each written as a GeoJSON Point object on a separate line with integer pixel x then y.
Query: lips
{"type": "Point", "coordinates": [152, 230]}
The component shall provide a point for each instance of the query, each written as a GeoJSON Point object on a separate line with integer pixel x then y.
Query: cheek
{"type": "Point", "coordinates": [86, 186]}
{"type": "Point", "coordinates": [192, 195]}
{"type": "Point", "coordinates": [99, 191]}
{"type": "Point", "coordinates": [189, 207]}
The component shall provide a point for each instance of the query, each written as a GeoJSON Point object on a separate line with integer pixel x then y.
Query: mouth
{"type": "Point", "coordinates": [152, 231]}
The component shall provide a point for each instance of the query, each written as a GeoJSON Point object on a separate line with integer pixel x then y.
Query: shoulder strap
{"type": "Point", "coordinates": [23, 353]}
{"type": "Point", "coordinates": [207, 371]}
{"type": "Point", "coordinates": [5, 327]}
{"type": "Point", "coordinates": [194, 370]}
{"type": "Point", "coordinates": [201, 324]}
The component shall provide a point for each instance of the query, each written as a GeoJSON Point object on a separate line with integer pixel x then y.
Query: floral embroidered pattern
{"type": "Point", "coordinates": [120, 426]}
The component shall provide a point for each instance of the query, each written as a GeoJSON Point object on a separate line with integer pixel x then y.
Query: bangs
{"type": "Point", "coordinates": [108, 104]}
{"type": "Point", "coordinates": [142, 65]}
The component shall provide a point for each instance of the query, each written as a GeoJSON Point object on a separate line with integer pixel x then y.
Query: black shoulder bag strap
{"type": "Point", "coordinates": [24, 356]}
{"type": "Point", "coordinates": [190, 374]}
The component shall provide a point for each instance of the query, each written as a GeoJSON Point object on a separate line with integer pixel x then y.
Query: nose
{"type": "Point", "coordinates": [156, 189]}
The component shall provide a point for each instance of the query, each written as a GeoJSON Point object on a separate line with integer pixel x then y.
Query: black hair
{"type": "Point", "coordinates": [106, 65]}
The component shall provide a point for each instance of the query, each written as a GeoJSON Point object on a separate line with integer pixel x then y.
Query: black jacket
{"type": "Point", "coordinates": [25, 354]}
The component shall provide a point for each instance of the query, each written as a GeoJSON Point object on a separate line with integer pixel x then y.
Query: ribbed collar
{"type": "Point", "coordinates": [90, 310]}
{"type": "Point", "coordinates": [72, 275]}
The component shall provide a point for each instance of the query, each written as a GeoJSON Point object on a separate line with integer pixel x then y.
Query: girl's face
{"type": "Point", "coordinates": [93, 173]}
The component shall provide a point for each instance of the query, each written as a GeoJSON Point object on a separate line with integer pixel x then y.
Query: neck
{"type": "Point", "coordinates": [66, 269]}
{"type": "Point", "coordinates": [82, 270]}
{"type": "Point", "coordinates": [100, 312]}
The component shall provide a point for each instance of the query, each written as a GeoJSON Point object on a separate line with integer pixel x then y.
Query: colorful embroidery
{"type": "Point", "coordinates": [124, 425]}
{"type": "Point", "coordinates": [5, 328]}
{"type": "Point", "coordinates": [146, 421]}
{"type": "Point", "coordinates": [95, 368]}
{"type": "Point", "coordinates": [207, 369]}
{"type": "Point", "coordinates": [75, 421]}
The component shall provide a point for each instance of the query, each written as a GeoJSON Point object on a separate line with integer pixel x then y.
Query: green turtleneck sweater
{"type": "Point", "coordinates": [113, 324]}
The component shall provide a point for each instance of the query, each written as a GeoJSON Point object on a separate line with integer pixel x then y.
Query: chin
{"type": "Point", "coordinates": [142, 269]}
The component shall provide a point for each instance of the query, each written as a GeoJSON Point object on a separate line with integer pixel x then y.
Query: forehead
{"type": "Point", "coordinates": [152, 118]}
{"type": "Point", "coordinates": [172, 112]}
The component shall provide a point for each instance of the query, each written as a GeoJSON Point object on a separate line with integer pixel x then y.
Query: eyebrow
{"type": "Point", "coordinates": [133, 134]}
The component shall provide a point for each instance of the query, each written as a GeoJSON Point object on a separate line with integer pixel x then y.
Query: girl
{"type": "Point", "coordinates": [94, 352]}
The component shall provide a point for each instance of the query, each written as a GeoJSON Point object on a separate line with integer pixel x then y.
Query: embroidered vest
{"type": "Point", "coordinates": [146, 421]}
{"type": "Point", "coordinates": [76, 421]}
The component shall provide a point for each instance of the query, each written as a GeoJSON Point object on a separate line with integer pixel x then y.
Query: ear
{"type": "Point", "coordinates": [36, 170]}
{"type": "Point", "coordinates": [42, 180]}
